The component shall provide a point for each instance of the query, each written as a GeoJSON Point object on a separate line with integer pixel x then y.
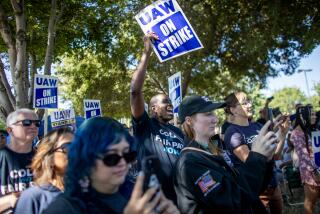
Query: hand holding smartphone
{"type": "Point", "coordinates": [150, 168]}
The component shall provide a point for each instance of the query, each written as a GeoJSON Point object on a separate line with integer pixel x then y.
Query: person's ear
{"type": "Point", "coordinates": [232, 110]}
{"type": "Point", "coordinates": [153, 108]}
{"type": "Point", "coordinates": [188, 120]}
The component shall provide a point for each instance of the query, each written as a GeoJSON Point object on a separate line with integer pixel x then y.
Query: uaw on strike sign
{"type": "Point", "coordinates": [167, 20]}
{"type": "Point", "coordinates": [92, 108]}
{"type": "Point", "coordinates": [45, 92]}
{"type": "Point", "coordinates": [175, 94]}
{"type": "Point", "coordinates": [62, 118]}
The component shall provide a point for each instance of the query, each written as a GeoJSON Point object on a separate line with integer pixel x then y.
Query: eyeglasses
{"type": "Point", "coordinates": [64, 148]}
{"type": "Point", "coordinates": [245, 103]}
{"type": "Point", "coordinates": [28, 122]}
{"type": "Point", "coordinates": [114, 159]}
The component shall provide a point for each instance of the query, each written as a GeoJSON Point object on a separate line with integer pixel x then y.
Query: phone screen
{"type": "Point", "coordinates": [270, 117]}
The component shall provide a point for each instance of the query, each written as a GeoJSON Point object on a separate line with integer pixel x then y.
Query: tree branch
{"type": "Point", "coordinates": [159, 84]}
{"type": "Point", "coordinates": [51, 38]}
{"type": "Point", "coordinates": [6, 85]}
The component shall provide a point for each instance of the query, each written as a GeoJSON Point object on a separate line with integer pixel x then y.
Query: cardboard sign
{"type": "Point", "coordinates": [92, 108]}
{"type": "Point", "coordinates": [62, 118]}
{"type": "Point", "coordinates": [316, 147]}
{"type": "Point", "coordinates": [167, 20]}
{"type": "Point", "coordinates": [45, 92]}
{"type": "Point", "coordinates": [175, 91]}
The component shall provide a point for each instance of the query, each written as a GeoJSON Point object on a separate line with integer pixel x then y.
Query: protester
{"type": "Point", "coordinates": [15, 158]}
{"type": "Point", "coordinates": [3, 138]}
{"type": "Point", "coordinates": [98, 162]}
{"type": "Point", "coordinates": [155, 134]}
{"type": "Point", "coordinates": [239, 138]}
{"type": "Point", "coordinates": [301, 139]}
{"type": "Point", "coordinates": [48, 166]}
{"type": "Point", "coordinates": [204, 181]}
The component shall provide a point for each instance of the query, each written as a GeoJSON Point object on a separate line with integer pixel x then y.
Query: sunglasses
{"type": "Point", "coordinates": [114, 159]}
{"type": "Point", "coordinates": [64, 148]}
{"type": "Point", "coordinates": [28, 122]}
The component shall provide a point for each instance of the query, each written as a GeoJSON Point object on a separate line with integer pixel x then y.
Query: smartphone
{"type": "Point", "coordinates": [150, 168]}
{"type": "Point", "coordinates": [276, 112]}
{"type": "Point", "coordinates": [270, 117]}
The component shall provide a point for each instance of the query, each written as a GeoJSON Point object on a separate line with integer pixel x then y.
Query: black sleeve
{"type": "Point", "coordinates": [210, 187]}
{"type": "Point", "coordinates": [141, 124]}
{"type": "Point", "coordinates": [62, 205]}
{"type": "Point", "coordinates": [253, 171]}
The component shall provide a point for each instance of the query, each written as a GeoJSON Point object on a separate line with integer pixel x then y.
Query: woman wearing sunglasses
{"type": "Point", "coordinates": [205, 180]}
{"type": "Point", "coordinates": [48, 166]}
{"type": "Point", "coordinates": [99, 160]}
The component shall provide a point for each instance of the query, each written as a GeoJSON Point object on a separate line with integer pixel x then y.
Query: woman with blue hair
{"type": "Point", "coordinates": [99, 159]}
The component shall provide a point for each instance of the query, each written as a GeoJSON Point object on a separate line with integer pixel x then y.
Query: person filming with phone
{"type": "Point", "coordinates": [98, 162]}
{"type": "Point", "coordinates": [205, 181]}
{"type": "Point", "coordinates": [301, 139]}
{"type": "Point", "coordinates": [241, 135]}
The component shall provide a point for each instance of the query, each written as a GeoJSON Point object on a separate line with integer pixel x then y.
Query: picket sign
{"type": "Point", "coordinates": [92, 108]}
{"type": "Point", "coordinates": [316, 147]}
{"type": "Point", "coordinates": [62, 118]}
{"type": "Point", "coordinates": [167, 20]}
{"type": "Point", "coordinates": [175, 91]}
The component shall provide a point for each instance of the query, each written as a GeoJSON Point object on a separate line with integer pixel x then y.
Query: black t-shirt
{"type": "Point", "coordinates": [16, 174]}
{"type": "Point", "coordinates": [163, 140]}
{"type": "Point", "coordinates": [93, 203]}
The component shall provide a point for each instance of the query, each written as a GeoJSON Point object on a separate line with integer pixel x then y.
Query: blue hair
{"type": "Point", "coordinates": [92, 138]}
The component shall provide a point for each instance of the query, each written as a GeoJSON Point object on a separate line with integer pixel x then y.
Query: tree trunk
{"type": "Point", "coordinates": [33, 71]}
{"type": "Point", "coordinates": [51, 38]}
{"type": "Point", "coordinates": [20, 66]}
{"type": "Point", "coordinates": [5, 104]}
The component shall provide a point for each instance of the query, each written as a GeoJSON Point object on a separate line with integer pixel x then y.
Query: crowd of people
{"type": "Point", "coordinates": [159, 167]}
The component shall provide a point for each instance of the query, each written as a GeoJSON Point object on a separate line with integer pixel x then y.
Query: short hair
{"type": "Point", "coordinates": [12, 117]}
{"type": "Point", "coordinates": [93, 138]}
{"type": "Point", "coordinates": [43, 160]}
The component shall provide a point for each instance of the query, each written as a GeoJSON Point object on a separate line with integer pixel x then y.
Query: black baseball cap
{"type": "Point", "coordinates": [197, 104]}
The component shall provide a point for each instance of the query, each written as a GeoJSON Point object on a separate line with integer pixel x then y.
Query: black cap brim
{"type": "Point", "coordinates": [212, 106]}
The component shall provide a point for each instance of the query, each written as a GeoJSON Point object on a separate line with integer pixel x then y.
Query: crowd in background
{"type": "Point", "coordinates": [160, 167]}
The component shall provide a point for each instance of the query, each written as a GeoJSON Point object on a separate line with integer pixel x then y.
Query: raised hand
{"type": "Point", "coordinates": [265, 143]}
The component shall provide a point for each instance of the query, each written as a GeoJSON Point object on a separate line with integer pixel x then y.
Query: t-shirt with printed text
{"type": "Point", "coordinates": [162, 140]}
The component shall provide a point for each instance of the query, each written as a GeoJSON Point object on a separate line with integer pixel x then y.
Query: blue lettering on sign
{"type": "Point", "coordinates": [61, 115]}
{"type": "Point", "coordinates": [46, 82]}
{"type": "Point", "coordinates": [166, 8]}
{"type": "Point", "coordinates": [175, 36]}
{"type": "Point", "coordinates": [316, 142]}
{"type": "Point", "coordinates": [92, 104]}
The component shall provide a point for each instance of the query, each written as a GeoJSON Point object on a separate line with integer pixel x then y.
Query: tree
{"type": "Point", "coordinates": [43, 32]}
{"type": "Point", "coordinates": [287, 98]}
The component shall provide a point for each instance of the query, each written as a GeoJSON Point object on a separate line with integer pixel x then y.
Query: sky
{"type": "Point", "coordinates": [311, 61]}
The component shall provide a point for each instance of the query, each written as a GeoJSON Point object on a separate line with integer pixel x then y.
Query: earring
{"type": "Point", "coordinates": [84, 184]}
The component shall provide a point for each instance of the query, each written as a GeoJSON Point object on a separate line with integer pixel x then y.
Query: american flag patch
{"type": "Point", "coordinates": [206, 183]}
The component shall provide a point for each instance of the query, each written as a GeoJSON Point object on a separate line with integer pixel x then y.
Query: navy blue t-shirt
{"type": "Point", "coordinates": [36, 199]}
{"type": "Point", "coordinates": [245, 135]}
{"type": "Point", "coordinates": [236, 136]}
{"type": "Point", "coordinates": [162, 140]}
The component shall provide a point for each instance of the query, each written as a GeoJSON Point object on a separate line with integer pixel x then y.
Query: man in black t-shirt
{"type": "Point", "coordinates": [15, 158]}
{"type": "Point", "coordinates": [155, 135]}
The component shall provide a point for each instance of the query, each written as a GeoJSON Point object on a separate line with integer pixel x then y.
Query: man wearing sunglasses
{"type": "Point", "coordinates": [155, 134]}
{"type": "Point", "coordinates": [15, 158]}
